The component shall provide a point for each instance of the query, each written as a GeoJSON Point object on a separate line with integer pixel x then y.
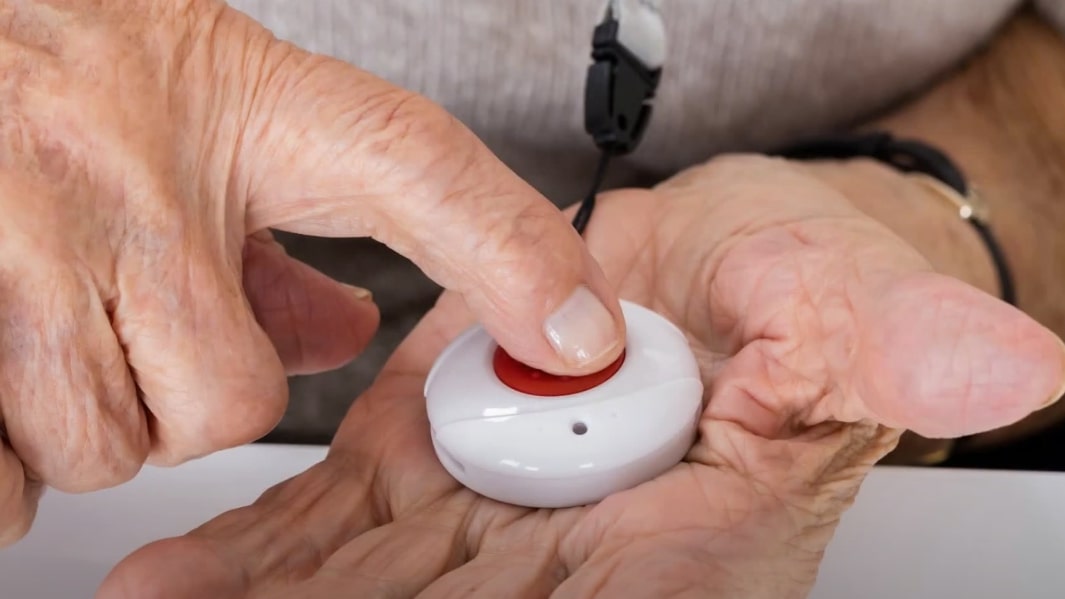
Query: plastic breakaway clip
{"type": "Point", "coordinates": [628, 51]}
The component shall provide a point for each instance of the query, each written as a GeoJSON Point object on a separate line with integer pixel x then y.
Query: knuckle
{"type": "Point", "coordinates": [391, 116]}
{"type": "Point", "coordinates": [24, 125]}
{"type": "Point", "coordinates": [523, 254]}
{"type": "Point", "coordinates": [528, 241]}
{"type": "Point", "coordinates": [243, 413]}
{"type": "Point", "coordinates": [123, 448]}
{"type": "Point", "coordinates": [391, 122]}
{"type": "Point", "coordinates": [262, 406]}
{"type": "Point", "coordinates": [98, 450]}
{"type": "Point", "coordinates": [395, 113]}
{"type": "Point", "coordinates": [67, 396]}
{"type": "Point", "coordinates": [96, 473]}
{"type": "Point", "coordinates": [257, 418]}
{"type": "Point", "coordinates": [418, 144]}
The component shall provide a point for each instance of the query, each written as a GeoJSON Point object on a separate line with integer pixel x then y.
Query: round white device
{"type": "Point", "coordinates": [534, 440]}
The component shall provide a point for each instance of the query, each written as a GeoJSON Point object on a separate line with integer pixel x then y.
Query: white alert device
{"type": "Point", "coordinates": [524, 437]}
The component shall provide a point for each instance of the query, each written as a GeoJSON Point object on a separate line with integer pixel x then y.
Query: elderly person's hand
{"type": "Point", "coordinates": [146, 149]}
{"type": "Point", "coordinates": [820, 335]}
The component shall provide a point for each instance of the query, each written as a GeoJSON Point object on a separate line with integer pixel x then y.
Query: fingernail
{"type": "Point", "coordinates": [582, 329]}
{"type": "Point", "coordinates": [360, 293]}
{"type": "Point", "coordinates": [1061, 391]}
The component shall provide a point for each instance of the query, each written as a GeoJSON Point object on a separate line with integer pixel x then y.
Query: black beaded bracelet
{"type": "Point", "coordinates": [912, 156]}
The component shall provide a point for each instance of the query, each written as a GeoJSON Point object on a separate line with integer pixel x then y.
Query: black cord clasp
{"type": "Point", "coordinates": [618, 92]}
{"type": "Point", "coordinates": [619, 89]}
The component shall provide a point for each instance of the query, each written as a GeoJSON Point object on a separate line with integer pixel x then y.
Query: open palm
{"type": "Point", "coordinates": [820, 335]}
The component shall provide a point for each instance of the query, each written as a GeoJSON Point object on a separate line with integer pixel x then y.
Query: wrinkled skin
{"type": "Point", "coordinates": [819, 335]}
{"type": "Point", "coordinates": [147, 147]}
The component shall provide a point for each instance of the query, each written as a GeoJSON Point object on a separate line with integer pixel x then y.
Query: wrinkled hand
{"type": "Point", "coordinates": [146, 149]}
{"type": "Point", "coordinates": [819, 334]}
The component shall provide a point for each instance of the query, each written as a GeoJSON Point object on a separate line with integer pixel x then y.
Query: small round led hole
{"type": "Point", "coordinates": [579, 428]}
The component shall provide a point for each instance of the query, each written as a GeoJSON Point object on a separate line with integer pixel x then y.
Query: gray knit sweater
{"type": "Point", "coordinates": [740, 75]}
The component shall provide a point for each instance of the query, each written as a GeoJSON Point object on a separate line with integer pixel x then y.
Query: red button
{"type": "Point", "coordinates": [530, 380]}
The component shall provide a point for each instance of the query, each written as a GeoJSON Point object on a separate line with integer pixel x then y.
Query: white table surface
{"type": "Point", "coordinates": [913, 533]}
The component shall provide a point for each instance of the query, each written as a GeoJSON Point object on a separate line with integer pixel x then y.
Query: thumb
{"type": "Point", "coordinates": [944, 359]}
{"type": "Point", "coordinates": [315, 323]}
{"type": "Point", "coordinates": [339, 152]}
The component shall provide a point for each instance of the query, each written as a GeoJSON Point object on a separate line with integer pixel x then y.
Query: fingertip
{"type": "Point", "coordinates": [1059, 393]}
{"type": "Point", "coordinates": [580, 332]}
{"type": "Point", "coordinates": [956, 361]}
{"type": "Point", "coordinates": [1018, 367]}
{"type": "Point", "coordinates": [551, 310]}
{"type": "Point", "coordinates": [337, 328]}
{"type": "Point", "coordinates": [586, 331]}
{"type": "Point", "coordinates": [19, 498]}
{"type": "Point", "coordinates": [177, 568]}
{"type": "Point", "coordinates": [315, 323]}
{"type": "Point", "coordinates": [14, 531]}
{"type": "Point", "coordinates": [356, 323]}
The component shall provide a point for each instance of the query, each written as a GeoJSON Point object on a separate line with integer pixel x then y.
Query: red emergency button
{"type": "Point", "coordinates": [530, 380]}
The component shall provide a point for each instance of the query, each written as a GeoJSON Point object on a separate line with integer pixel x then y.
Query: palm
{"type": "Point", "coordinates": [778, 305]}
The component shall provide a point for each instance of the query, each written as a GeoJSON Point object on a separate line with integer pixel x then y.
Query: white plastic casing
{"type": "Point", "coordinates": [522, 449]}
{"type": "Point", "coordinates": [640, 29]}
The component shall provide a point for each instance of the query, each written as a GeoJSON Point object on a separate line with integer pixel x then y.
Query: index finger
{"type": "Point", "coordinates": [333, 151]}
